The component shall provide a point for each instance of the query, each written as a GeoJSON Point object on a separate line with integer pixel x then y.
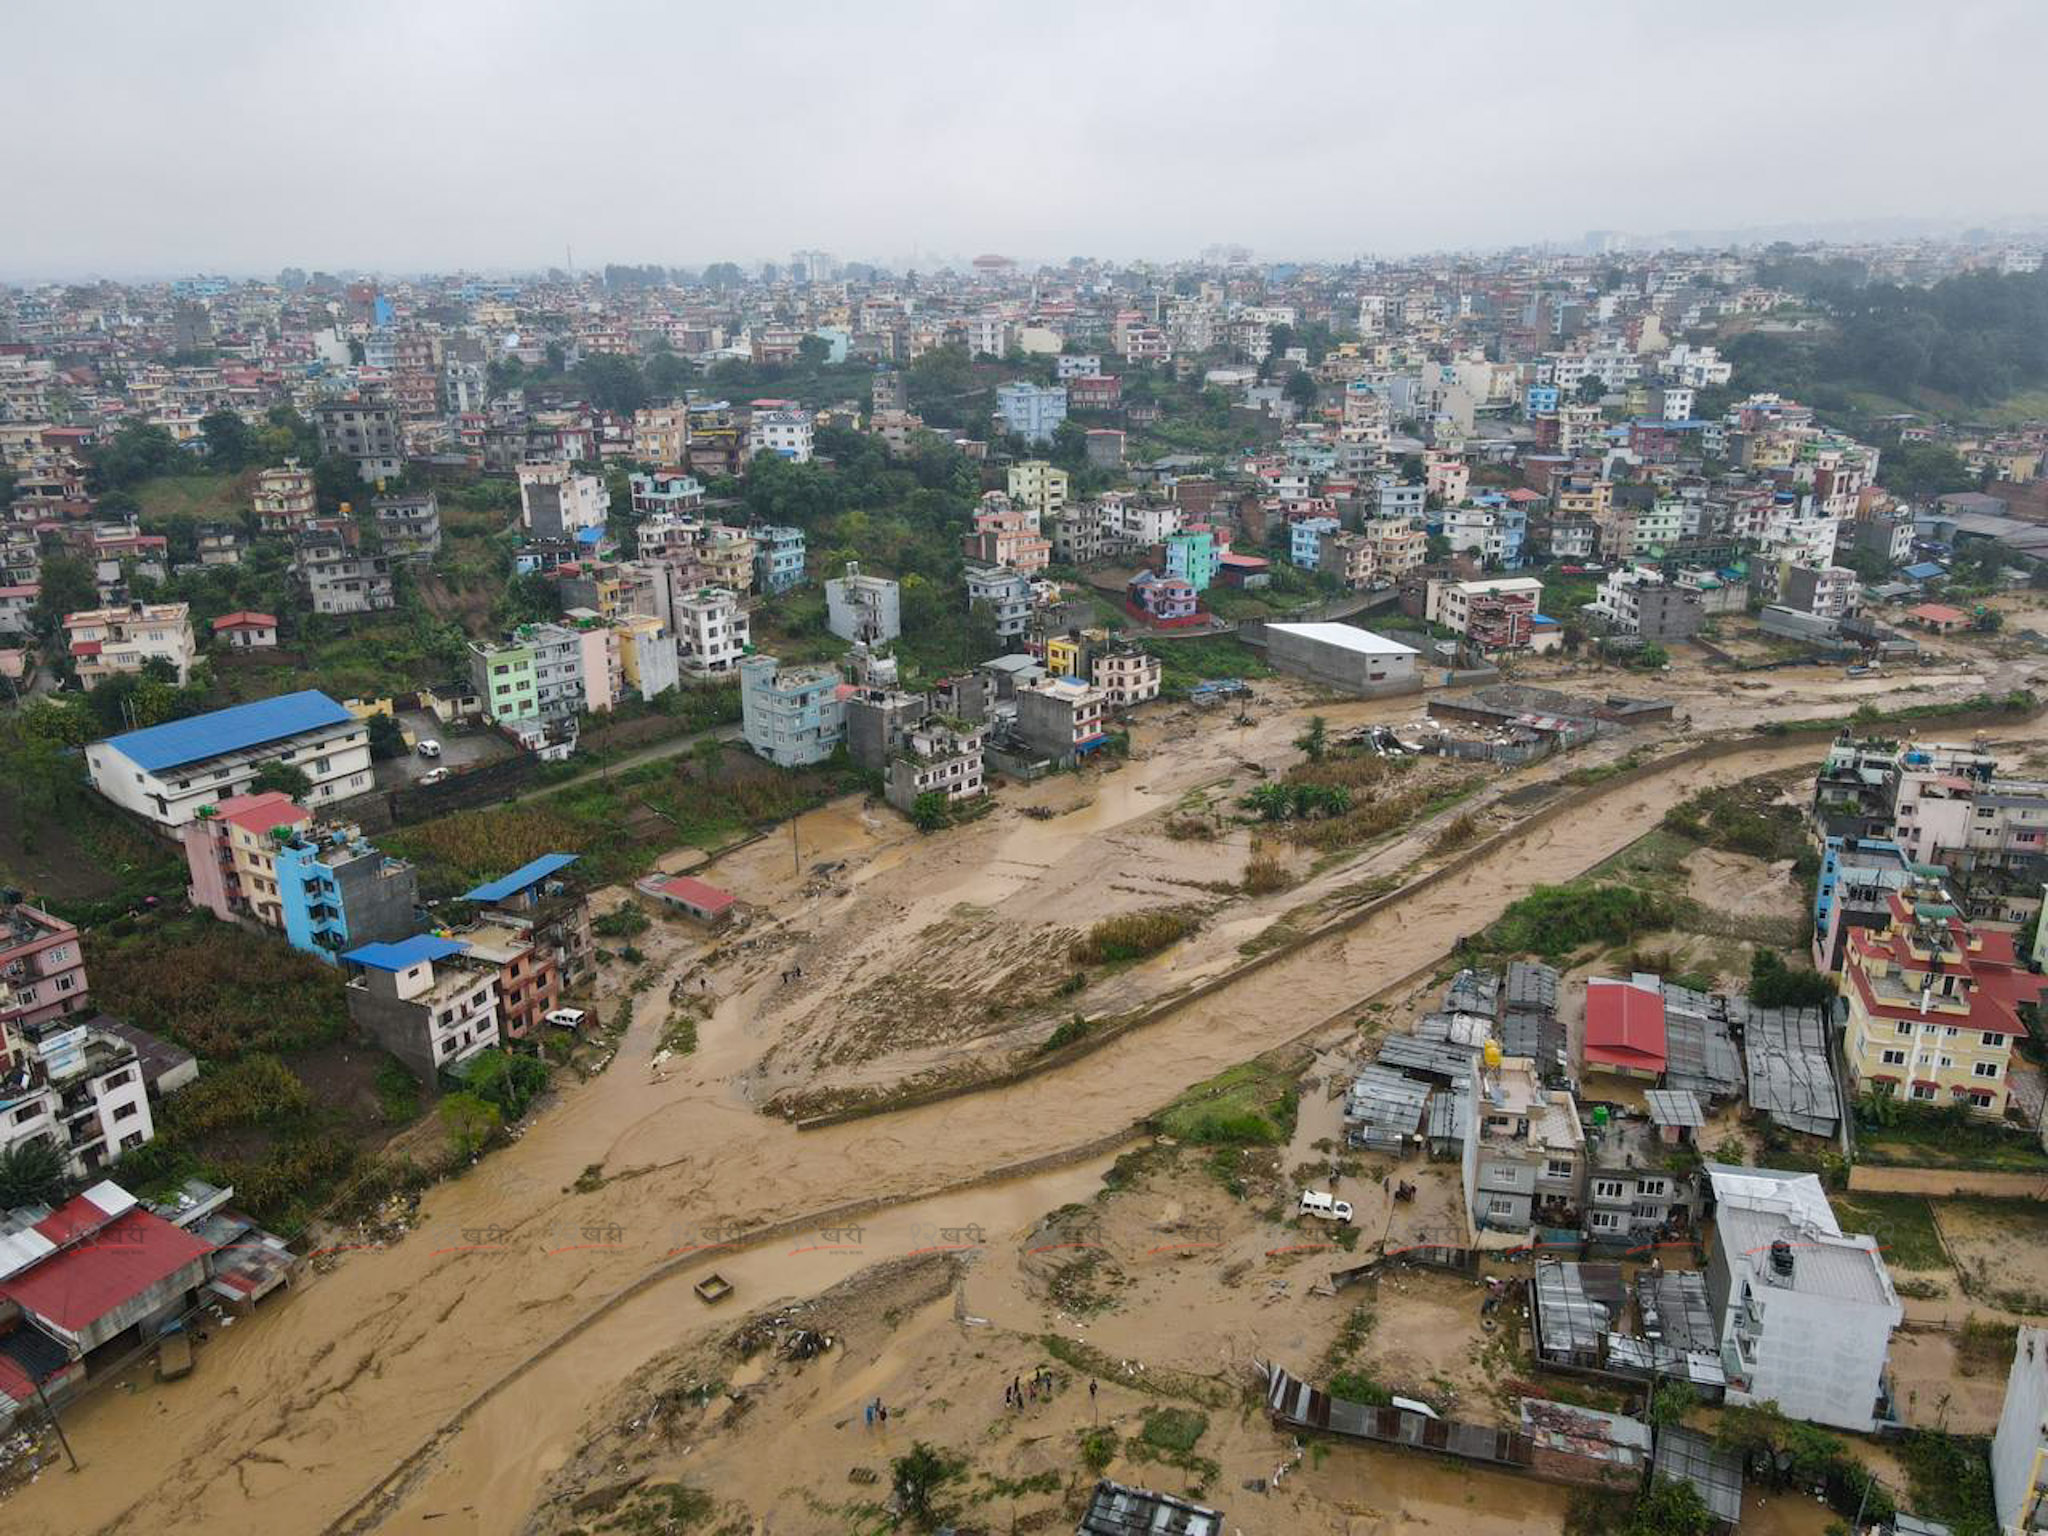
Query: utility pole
{"type": "Point", "coordinates": [62, 1440]}
{"type": "Point", "coordinates": [796, 858]}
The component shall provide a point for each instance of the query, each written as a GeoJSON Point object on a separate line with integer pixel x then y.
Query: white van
{"type": "Point", "coordinates": [1329, 1207]}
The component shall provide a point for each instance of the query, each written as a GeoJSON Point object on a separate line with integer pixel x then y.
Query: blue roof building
{"type": "Point", "coordinates": [520, 881]}
{"type": "Point", "coordinates": [166, 772]}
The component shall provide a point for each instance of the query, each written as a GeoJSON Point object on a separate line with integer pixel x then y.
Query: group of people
{"type": "Point", "coordinates": [875, 1411]}
{"type": "Point", "coordinates": [1019, 1391]}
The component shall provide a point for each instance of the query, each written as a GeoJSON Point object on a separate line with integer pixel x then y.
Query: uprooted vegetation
{"type": "Point", "coordinates": [1132, 936]}
{"type": "Point", "coordinates": [1557, 920]}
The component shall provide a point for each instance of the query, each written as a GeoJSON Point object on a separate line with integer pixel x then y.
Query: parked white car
{"type": "Point", "coordinates": [428, 747]}
{"type": "Point", "coordinates": [434, 775]}
{"type": "Point", "coordinates": [1315, 1203]}
{"type": "Point", "coordinates": [566, 1018]}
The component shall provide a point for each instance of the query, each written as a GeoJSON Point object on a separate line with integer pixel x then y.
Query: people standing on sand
{"type": "Point", "coordinates": [867, 1411]}
{"type": "Point", "coordinates": [883, 1412]}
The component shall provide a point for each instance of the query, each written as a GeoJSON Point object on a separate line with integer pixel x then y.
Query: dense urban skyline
{"type": "Point", "coordinates": [226, 138]}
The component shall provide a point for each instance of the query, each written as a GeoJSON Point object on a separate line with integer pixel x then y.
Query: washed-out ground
{"type": "Point", "coordinates": [432, 1382]}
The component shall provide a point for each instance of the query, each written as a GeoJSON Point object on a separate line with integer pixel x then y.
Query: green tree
{"type": "Point", "coordinates": [470, 1123]}
{"type": "Point", "coordinates": [67, 587]}
{"type": "Point", "coordinates": [1314, 741]}
{"type": "Point", "coordinates": [1301, 389]}
{"type": "Point", "coordinates": [507, 1081]}
{"type": "Point", "coordinates": [281, 776]}
{"type": "Point", "coordinates": [612, 383]}
{"type": "Point", "coordinates": [1669, 1508]}
{"type": "Point", "coordinates": [31, 1173]}
{"type": "Point", "coordinates": [387, 737]}
{"type": "Point", "coordinates": [1591, 390]}
{"type": "Point", "coordinates": [917, 1479]}
{"type": "Point", "coordinates": [928, 811]}
{"type": "Point", "coordinates": [136, 452]}
{"type": "Point", "coordinates": [229, 443]}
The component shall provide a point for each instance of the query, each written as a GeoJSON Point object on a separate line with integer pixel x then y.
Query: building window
{"type": "Point", "coordinates": [126, 1111]}
{"type": "Point", "coordinates": [1895, 1058]}
{"type": "Point", "coordinates": [1558, 1168]}
{"type": "Point", "coordinates": [1986, 1069]}
{"type": "Point", "coordinates": [1923, 1090]}
{"type": "Point", "coordinates": [1499, 1207]}
{"type": "Point", "coordinates": [1607, 1189]}
{"type": "Point", "coordinates": [1994, 1040]}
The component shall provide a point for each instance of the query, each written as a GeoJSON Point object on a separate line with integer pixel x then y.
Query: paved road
{"type": "Point", "coordinates": [675, 746]}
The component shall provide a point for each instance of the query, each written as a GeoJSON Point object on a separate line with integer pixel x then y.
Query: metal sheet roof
{"type": "Point", "coordinates": [177, 742]}
{"type": "Point", "coordinates": [406, 953]}
{"type": "Point", "coordinates": [525, 875]}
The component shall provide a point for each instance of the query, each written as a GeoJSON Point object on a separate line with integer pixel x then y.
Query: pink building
{"type": "Point", "coordinates": [1163, 600]}
{"type": "Point", "coordinates": [42, 969]}
{"type": "Point", "coordinates": [230, 855]}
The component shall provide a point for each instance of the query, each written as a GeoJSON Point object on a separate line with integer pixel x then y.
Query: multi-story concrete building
{"type": "Point", "coordinates": [1062, 718]}
{"type": "Point", "coordinates": [936, 757]}
{"type": "Point", "coordinates": [666, 493]}
{"type": "Point", "coordinates": [661, 435]}
{"type": "Point", "coordinates": [528, 977]}
{"type": "Point", "coordinates": [42, 968]}
{"type": "Point", "coordinates": [114, 642]}
{"type": "Point", "coordinates": [790, 716]}
{"type": "Point", "coordinates": [1637, 600]}
{"type": "Point", "coordinates": [2019, 1450]}
{"type": "Point", "coordinates": [231, 855]}
{"type": "Point", "coordinates": [1038, 488]}
{"type": "Point", "coordinates": [712, 631]}
{"type": "Point", "coordinates": [863, 608]}
{"type": "Point", "coordinates": [67, 1078]}
{"type": "Point", "coordinates": [778, 558]}
{"type": "Point", "coordinates": [1007, 536]}
{"type": "Point", "coordinates": [409, 525]}
{"type": "Point", "coordinates": [1346, 558]}
{"type": "Point", "coordinates": [784, 431]}
{"type": "Point", "coordinates": [540, 898]}
{"type": "Point", "coordinates": [337, 890]}
{"type": "Point", "coordinates": [1305, 540]}
{"type": "Point", "coordinates": [165, 773]}
{"type": "Point", "coordinates": [1524, 1164]}
{"type": "Point", "coordinates": [502, 672]}
{"type": "Point", "coordinates": [558, 502]}
{"type": "Point", "coordinates": [365, 431]}
{"type": "Point", "coordinates": [1453, 603]}
{"type": "Point", "coordinates": [423, 1001]}
{"type": "Point", "coordinates": [340, 579]}
{"type": "Point", "coordinates": [284, 497]}
{"type": "Point", "coordinates": [1126, 675]}
{"type": "Point", "coordinates": [649, 662]}
{"type": "Point", "coordinates": [1398, 547]}
{"type": "Point", "coordinates": [1857, 877]}
{"type": "Point", "coordinates": [1031, 411]}
{"type": "Point", "coordinates": [1191, 555]}
{"type": "Point", "coordinates": [1932, 1003]}
{"type": "Point", "coordinates": [1826, 591]}
{"type": "Point", "coordinates": [1805, 1311]}
{"type": "Point", "coordinates": [1083, 533]}
{"type": "Point", "coordinates": [1007, 594]}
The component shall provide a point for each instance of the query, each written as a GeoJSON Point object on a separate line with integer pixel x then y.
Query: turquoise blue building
{"type": "Point", "coordinates": [1192, 557]}
{"type": "Point", "coordinates": [778, 558]}
{"type": "Point", "coordinates": [337, 891]}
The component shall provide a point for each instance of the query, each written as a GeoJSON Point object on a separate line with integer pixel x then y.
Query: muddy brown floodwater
{"type": "Point", "coordinates": [445, 1377]}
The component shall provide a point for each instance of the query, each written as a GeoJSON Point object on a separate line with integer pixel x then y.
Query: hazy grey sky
{"type": "Point", "coordinates": [158, 138]}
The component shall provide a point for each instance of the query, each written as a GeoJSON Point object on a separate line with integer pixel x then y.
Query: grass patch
{"type": "Point", "coordinates": [1985, 1348]}
{"type": "Point", "coordinates": [1899, 1134]}
{"type": "Point", "coordinates": [398, 1091]}
{"type": "Point", "coordinates": [679, 1035]}
{"type": "Point", "coordinates": [1902, 1224]}
{"type": "Point", "coordinates": [1249, 1105]}
{"type": "Point", "coordinates": [1264, 874]}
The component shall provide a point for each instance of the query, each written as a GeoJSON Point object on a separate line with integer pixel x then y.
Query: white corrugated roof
{"type": "Point", "coordinates": [1348, 636]}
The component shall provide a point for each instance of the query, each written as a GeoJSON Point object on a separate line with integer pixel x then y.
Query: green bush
{"type": "Point", "coordinates": [1554, 920]}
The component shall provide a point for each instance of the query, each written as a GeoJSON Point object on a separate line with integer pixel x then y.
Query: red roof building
{"type": "Point", "coordinates": [699, 898]}
{"type": "Point", "coordinates": [1933, 1003]}
{"type": "Point", "coordinates": [1625, 1028]}
{"type": "Point", "coordinates": [99, 1265]}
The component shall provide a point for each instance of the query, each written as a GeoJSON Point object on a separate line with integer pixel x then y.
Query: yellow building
{"type": "Point", "coordinates": [1038, 487]}
{"type": "Point", "coordinates": [1932, 1004]}
{"type": "Point", "coordinates": [1064, 655]}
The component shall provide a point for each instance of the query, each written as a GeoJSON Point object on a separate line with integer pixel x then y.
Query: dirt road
{"type": "Point", "coordinates": [299, 1413]}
